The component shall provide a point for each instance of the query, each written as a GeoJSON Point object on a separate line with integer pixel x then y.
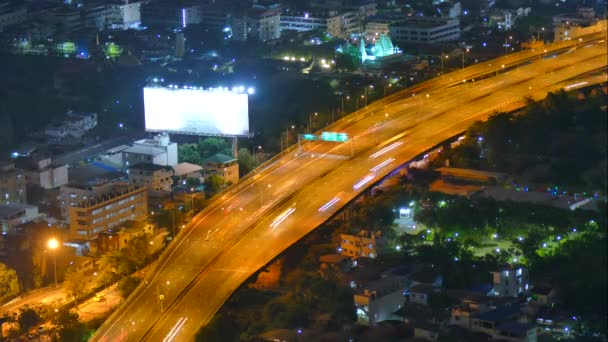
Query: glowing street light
{"type": "Point", "coordinates": [53, 244]}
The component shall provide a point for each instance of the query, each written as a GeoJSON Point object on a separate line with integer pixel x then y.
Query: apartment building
{"type": "Point", "coordinates": [425, 30]}
{"type": "Point", "coordinates": [154, 177]}
{"type": "Point", "coordinates": [106, 210]}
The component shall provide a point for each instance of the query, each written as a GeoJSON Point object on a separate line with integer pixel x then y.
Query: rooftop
{"type": "Point", "coordinates": [332, 258]}
{"type": "Point", "coordinates": [186, 168]}
{"type": "Point", "coordinates": [148, 167]}
{"type": "Point", "coordinates": [11, 209]}
{"type": "Point", "coordinates": [141, 149]}
{"type": "Point", "coordinates": [92, 175]}
{"type": "Point", "coordinates": [499, 314]}
{"type": "Point", "coordinates": [421, 288]}
{"type": "Point", "coordinates": [469, 173]}
{"type": "Point", "coordinates": [219, 159]}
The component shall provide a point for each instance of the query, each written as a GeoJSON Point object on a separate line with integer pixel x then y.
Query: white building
{"type": "Point", "coordinates": [159, 150]}
{"type": "Point", "coordinates": [378, 300]}
{"type": "Point", "coordinates": [510, 282]}
{"type": "Point", "coordinates": [258, 23]}
{"type": "Point", "coordinates": [74, 126]}
{"type": "Point", "coordinates": [124, 14]}
{"type": "Point", "coordinates": [305, 21]}
{"type": "Point", "coordinates": [42, 172]}
{"type": "Point", "coordinates": [14, 214]}
{"type": "Point", "coordinates": [425, 30]}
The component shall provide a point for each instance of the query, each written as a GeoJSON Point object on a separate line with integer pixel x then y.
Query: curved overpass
{"type": "Point", "coordinates": [253, 222]}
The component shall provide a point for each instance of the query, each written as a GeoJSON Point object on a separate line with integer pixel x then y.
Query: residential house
{"type": "Point", "coordinates": [154, 177]}
{"type": "Point", "coordinates": [376, 301]}
{"type": "Point", "coordinates": [510, 282]}
{"type": "Point", "coordinates": [363, 244]}
{"type": "Point", "coordinates": [158, 150]}
{"type": "Point", "coordinates": [15, 214]}
{"type": "Point", "coordinates": [421, 294]}
{"type": "Point", "coordinates": [225, 166]}
{"type": "Point", "coordinates": [183, 171]}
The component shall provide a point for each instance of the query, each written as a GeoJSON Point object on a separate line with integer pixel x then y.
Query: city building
{"type": "Point", "coordinates": [510, 282]}
{"type": "Point", "coordinates": [154, 177]}
{"type": "Point", "coordinates": [378, 300]}
{"type": "Point", "coordinates": [84, 183]}
{"type": "Point", "coordinates": [305, 21]}
{"type": "Point", "coordinates": [42, 172]}
{"type": "Point", "coordinates": [124, 14]}
{"type": "Point", "coordinates": [11, 15]}
{"type": "Point", "coordinates": [171, 14]}
{"type": "Point", "coordinates": [569, 31]}
{"type": "Point", "coordinates": [183, 171]}
{"type": "Point", "coordinates": [74, 126]}
{"type": "Point", "coordinates": [504, 19]}
{"type": "Point", "coordinates": [334, 263]}
{"type": "Point", "coordinates": [116, 239]}
{"type": "Point", "coordinates": [158, 150]}
{"type": "Point", "coordinates": [216, 18]}
{"type": "Point", "coordinates": [64, 20]}
{"type": "Point", "coordinates": [105, 210]}
{"type": "Point", "coordinates": [15, 214]}
{"type": "Point", "coordinates": [503, 323]}
{"type": "Point", "coordinates": [543, 295]}
{"type": "Point", "coordinates": [344, 25]}
{"type": "Point", "coordinates": [225, 166]}
{"type": "Point", "coordinates": [12, 184]}
{"type": "Point", "coordinates": [425, 30]}
{"type": "Point", "coordinates": [258, 23]}
{"type": "Point", "coordinates": [363, 244]}
{"type": "Point", "coordinates": [376, 27]}
{"type": "Point", "coordinates": [421, 294]}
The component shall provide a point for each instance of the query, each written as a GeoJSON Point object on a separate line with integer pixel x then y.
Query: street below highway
{"type": "Point", "coordinates": [254, 221]}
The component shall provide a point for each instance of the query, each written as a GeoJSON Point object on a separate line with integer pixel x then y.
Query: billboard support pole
{"type": "Point", "coordinates": [235, 147]}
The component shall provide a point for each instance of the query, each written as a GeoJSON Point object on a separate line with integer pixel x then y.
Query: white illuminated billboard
{"type": "Point", "coordinates": [195, 111]}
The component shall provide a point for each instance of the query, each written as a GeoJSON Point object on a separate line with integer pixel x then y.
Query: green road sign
{"type": "Point", "coordinates": [310, 137]}
{"type": "Point", "coordinates": [333, 136]}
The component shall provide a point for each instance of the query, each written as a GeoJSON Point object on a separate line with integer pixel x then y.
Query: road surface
{"type": "Point", "coordinates": [285, 199]}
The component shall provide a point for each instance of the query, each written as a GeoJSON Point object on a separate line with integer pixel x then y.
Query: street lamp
{"type": "Point", "coordinates": [53, 244]}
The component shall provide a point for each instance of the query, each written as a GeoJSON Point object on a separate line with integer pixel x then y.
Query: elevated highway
{"type": "Point", "coordinates": [282, 201]}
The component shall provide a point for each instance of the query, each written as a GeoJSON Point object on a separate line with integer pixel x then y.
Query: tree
{"type": "Point", "coordinates": [246, 161]}
{"type": "Point", "coordinates": [193, 182]}
{"type": "Point", "coordinates": [213, 185]}
{"type": "Point", "coordinates": [28, 318]}
{"type": "Point", "coordinates": [75, 284]}
{"type": "Point", "coordinates": [68, 326]}
{"type": "Point", "coordinates": [128, 285]}
{"type": "Point", "coordinates": [220, 329]}
{"type": "Point", "coordinates": [9, 283]}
